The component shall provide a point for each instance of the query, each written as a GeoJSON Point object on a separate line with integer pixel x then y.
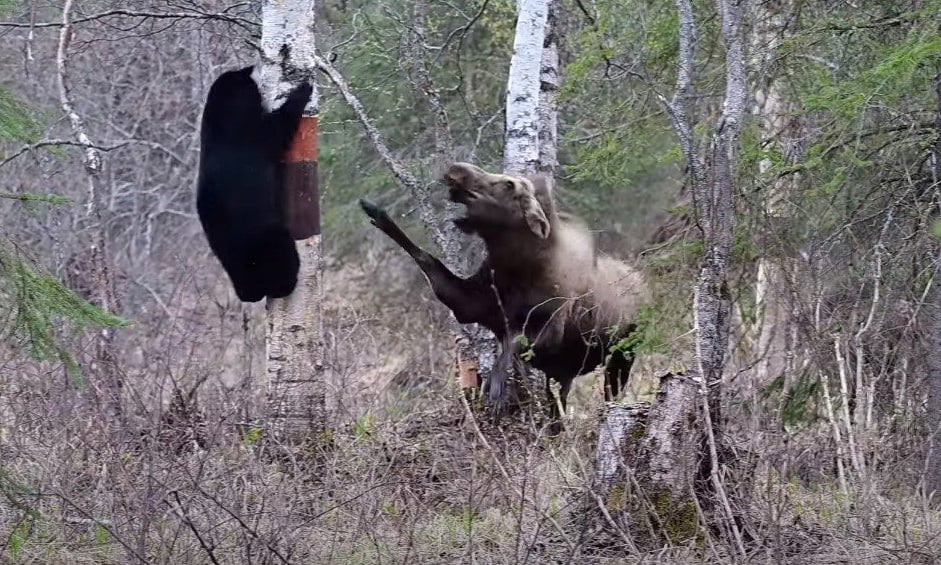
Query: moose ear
{"type": "Point", "coordinates": [534, 215]}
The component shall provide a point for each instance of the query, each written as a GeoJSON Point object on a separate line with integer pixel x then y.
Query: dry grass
{"type": "Point", "coordinates": [406, 474]}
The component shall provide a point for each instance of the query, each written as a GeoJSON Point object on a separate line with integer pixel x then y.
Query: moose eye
{"type": "Point", "coordinates": [507, 186]}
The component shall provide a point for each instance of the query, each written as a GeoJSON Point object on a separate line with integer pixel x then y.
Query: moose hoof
{"type": "Point", "coordinates": [376, 214]}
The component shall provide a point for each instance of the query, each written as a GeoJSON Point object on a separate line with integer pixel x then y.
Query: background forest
{"type": "Point", "coordinates": [132, 382]}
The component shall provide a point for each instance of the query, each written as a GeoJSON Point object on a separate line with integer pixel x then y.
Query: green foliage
{"type": "Point", "coordinates": [253, 435]}
{"type": "Point", "coordinates": [40, 307]}
{"type": "Point", "coordinates": [797, 402]}
{"type": "Point", "coordinates": [936, 228]}
{"type": "Point", "coordinates": [910, 64]}
{"type": "Point", "coordinates": [17, 121]}
{"type": "Point", "coordinates": [17, 539]}
{"type": "Point", "coordinates": [527, 353]}
{"type": "Point", "coordinates": [469, 76]}
{"type": "Point", "coordinates": [647, 337]}
{"type": "Point", "coordinates": [365, 426]}
{"type": "Point", "coordinates": [619, 149]}
{"type": "Point", "coordinates": [36, 202]}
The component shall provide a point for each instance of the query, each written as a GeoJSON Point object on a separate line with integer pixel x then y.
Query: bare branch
{"type": "Point", "coordinates": [402, 174]}
{"type": "Point", "coordinates": [137, 14]}
{"type": "Point", "coordinates": [678, 107]}
{"type": "Point", "coordinates": [59, 142]}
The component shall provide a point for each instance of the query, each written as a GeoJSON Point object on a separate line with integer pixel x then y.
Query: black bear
{"type": "Point", "coordinates": [239, 192]}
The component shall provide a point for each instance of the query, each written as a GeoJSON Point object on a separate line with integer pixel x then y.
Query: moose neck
{"type": "Point", "coordinates": [518, 250]}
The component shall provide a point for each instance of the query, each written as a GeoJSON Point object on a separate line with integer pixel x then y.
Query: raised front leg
{"type": "Point", "coordinates": [471, 299]}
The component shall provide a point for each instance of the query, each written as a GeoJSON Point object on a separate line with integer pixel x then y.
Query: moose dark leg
{"type": "Point", "coordinates": [469, 299]}
{"type": "Point", "coordinates": [617, 372]}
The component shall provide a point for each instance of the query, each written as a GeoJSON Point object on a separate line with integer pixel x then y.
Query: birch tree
{"type": "Point", "coordinates": [108, 383]}
{"type": "Point", "coordinates": [549, 83]}
{"type": "Point", "coordinates": [295, 328]}
{"type": "Point", "coordinates": [523, 89]}
{"type": "Point", "coordinates": [775, 121]}
{"type": "Point", "coordinates": [711, 171]}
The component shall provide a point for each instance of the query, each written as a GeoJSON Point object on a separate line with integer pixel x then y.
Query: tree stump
{"type": "Point", "coordinates": [646, 464]}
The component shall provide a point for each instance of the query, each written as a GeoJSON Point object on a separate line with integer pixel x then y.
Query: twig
{"type": "Point", "coordinates": [835, 427]}
{"type": "Point", "coordinates": [136, 14]}
{"type": "Point", "coordinates": [858, 462]}
{"type": "Point", "coordinates": [244, 526]}
{"type": "Point", "coordinates": [184, 517]}
{"type": "Point", "coordinates": [57, 142]}
{"type": "Point", "coordinates": [506, 475]}
{"type": "Point", "coordinates": [106, 524]}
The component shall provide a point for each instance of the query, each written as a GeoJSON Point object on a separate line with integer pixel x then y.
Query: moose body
{"type": "Point", "coordinates": [542, 279]}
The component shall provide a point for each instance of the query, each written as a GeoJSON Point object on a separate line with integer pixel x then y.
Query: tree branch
{"type": "Point", "coordinates": [402, 174]}
{"type": "Point", "coordinates": [137, 14]}
{"type": "Point", "coordinates": [58, 142]}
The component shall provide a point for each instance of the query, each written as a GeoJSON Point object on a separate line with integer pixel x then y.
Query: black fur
{"type": "Point", "coordinates": [239, 192]}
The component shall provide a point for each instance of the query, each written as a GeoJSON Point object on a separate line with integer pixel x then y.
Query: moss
{"type": "Point", "coordinates": [676, 516]}
{"type": "Point", "coordinates": [616, 499]}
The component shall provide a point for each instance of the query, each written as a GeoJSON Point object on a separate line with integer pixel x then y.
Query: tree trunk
{"type": "Point", "coordinates": [108, 383]}
{"type": "Point", "coordinates": [932, 478]}
{"type": "Point", "coordinates": [549, 83]}
{"type": "Point", "coordinates": [521, 153]}
{"type": "Point", "coordinates": [475, 346]}
{"type": "Point", "coordinates": [646, 457]}
{"type": "Point", "coordinates": [712, 193]}
{"type": "Point", "coordinates": [775, 121]}
{"type": "Point", "coordinates": [530, 109]}
{"type": "Point", "coordinates": [295, 324]}
{"type": "Point", "coordinates": [714, 207]}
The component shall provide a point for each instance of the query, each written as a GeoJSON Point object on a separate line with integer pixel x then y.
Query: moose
{"type": "Point", "coordinates": [542, 289]}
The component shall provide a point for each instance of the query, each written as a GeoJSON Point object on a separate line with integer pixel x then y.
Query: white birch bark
{"type": "Point", "coordinates": [521, 152]}
{"type": "Point", "coordinates": [771, 307]}
{"type": "Point", "coordinates": [549, 83]}
{"type": "Point", "coordinates": [294, 366]}
{"type": "Point", "coordinates": [108, 383]}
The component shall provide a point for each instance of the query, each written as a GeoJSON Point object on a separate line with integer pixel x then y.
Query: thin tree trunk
{"type": "Point", "coordinates": [933, 408]}
{"type": "Point", "coordinates": [530, 107]}
{"type": "Point", "coordinates": [294, 336]}
{"type": "Point", "coordinates": [549, 83]}
{"type": "Point", "coordinates": [475, 345]}
{"type": "Point", "coordinates": [521, 152]}
{"type": "Point", "coordinates": [932, 478]}
{"type": "Point", "coordinates": [713, 206]}
{"type": "Point", "coordinates": [108, 382]}
{"type": "Point", "coordinates": [775, 122]}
